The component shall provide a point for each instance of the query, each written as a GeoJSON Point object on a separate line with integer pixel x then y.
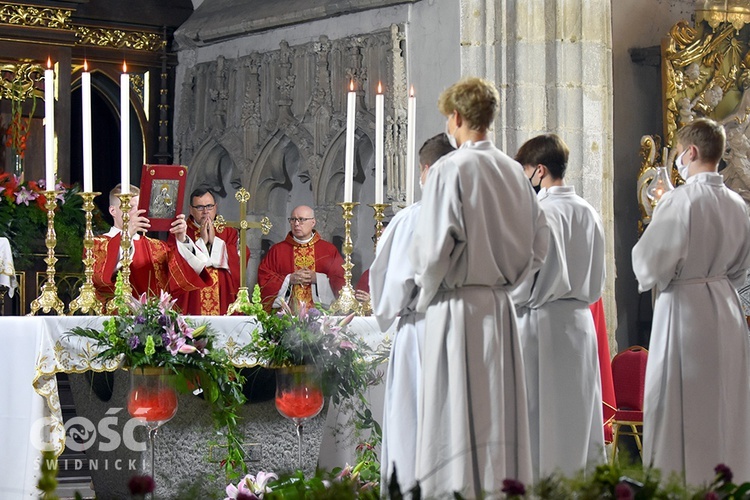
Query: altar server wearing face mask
{"type": "Point", "coordinates": [694, 253]}
{"type": "Point", "coordinates": [558, 337]}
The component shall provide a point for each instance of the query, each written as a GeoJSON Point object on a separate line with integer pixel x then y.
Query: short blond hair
{"type": "Point", "coordinates": [114, 201]}
{"type": "Point", "coordinates": [476, 100]}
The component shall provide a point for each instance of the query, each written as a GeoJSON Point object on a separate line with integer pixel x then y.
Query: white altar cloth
{"type": "Point", "coordinates": [7, 269]}
{"type": "Point", "coordinates": [37, 348]}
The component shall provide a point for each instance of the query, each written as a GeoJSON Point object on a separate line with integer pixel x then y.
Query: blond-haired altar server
{"type": "Point", "coordinates": [480, 232]}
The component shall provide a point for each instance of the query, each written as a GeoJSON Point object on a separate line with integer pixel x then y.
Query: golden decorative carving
{"type": "Point", "coordinates": [734, 12]}
{"type": "Point", "coordinates": [19, 80]}
{"type": "Point", "coordinates": [136, 83]}
{"type": "Point", "coordinates": [706, 72]}
{"type": "Point", "coordinates": [26, 15]}
{"type": "Point", "coordinates": [119, 39]}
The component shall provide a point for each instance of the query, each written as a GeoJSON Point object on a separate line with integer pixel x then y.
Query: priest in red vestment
{"type": "Point", "coordinates": [156, 265]}
{"type": "Point", "coordinates": [302, 268]}
{"type": "Point", "coordinates": [221, 247]}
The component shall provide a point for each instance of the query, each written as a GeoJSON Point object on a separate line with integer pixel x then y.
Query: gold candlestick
{"type": "Point", "coordinates": [126, 246]}
{"type": "Point", "coordinates": [87, 302]}
{"type": "Point", "coordinates": [48, 299]}
{"type": "Point", "coordinates": [346, 302]}
{"type": "Point", "coordinates": [379, 215]}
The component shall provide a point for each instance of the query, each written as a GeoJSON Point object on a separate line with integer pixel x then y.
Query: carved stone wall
{"type": "Point", "coordinates": [275, 123]}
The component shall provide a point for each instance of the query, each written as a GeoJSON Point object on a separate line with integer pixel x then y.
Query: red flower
{"type": "Point", "coordinates": [140, 485]}
{"type": "Point", "coordinates": [724, 473]}
{"type": "Point", "coordinates": [511, 487]}
{"type": "Point", "coordinates": [623, 491]}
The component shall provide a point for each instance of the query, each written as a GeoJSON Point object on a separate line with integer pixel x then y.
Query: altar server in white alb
{"type": "Point", "coordinates": [394, 294]}
{"type": "Point", "coordinates": [480, 233]}
{"type": "Point", "coordinates": [558, 337]}
{"type": "Point", "coordinates": [695, 252]}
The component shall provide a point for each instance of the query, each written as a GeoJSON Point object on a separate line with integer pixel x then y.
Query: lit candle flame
{"type": "Point", "coordinates": [351, 85]}
{"type": "Point", "coordinates": [49, 63]}
{"type": "Point", "coordinates": [411, 91]}
{"type": "Point", "coordinates": [124, 67]}
{"type": "Point", "coordinates": [380, 88]}
{"type": "Point", "coordinates": [85, 65]}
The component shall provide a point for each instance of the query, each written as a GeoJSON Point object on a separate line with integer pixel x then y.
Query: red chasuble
{"type": "Point", "coordinates": [287, 256]}
{"type": "Point", "coordinates": [364, 282]}
{"type": "Point", "coordinates": [214, 300]}
{"type": "Point", "coordinates": [155, 267]}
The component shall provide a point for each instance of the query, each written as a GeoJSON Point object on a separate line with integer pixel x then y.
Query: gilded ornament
{"type": "Point", "coordinates": [19, 80]}
{"type": "Point", "coordinates": [26, 15]}
{"type": "Point", "coordinates": [119, 39]}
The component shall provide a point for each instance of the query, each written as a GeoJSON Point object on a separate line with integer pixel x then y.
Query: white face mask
{"type": "Point", "coordinates": [682, 169]}
{"type": "Point", "coordinates": [451, 137]}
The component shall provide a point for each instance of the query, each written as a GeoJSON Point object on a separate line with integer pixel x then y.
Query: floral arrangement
{"type": "Point", "coordinates": [149, 331]}
{"type": "Point", "coordinates": [251, 487]}
{"type": "Point", "coordinates": [311, 337]}
{"type": "Point", "coordinates": [23, 220]}
{"type": "Point", "coordinates": [18, 130]}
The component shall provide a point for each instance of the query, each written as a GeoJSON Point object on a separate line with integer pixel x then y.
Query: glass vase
{"type": "Point", "coordinates": [16, 164]}
{"type": "Point", "coordinates": [152, 399]}
{"type": "Point", "coordinates": [299, 397]}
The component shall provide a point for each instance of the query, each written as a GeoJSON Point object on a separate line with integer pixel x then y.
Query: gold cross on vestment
{"type": "Point", "coordinates": [243, 298]}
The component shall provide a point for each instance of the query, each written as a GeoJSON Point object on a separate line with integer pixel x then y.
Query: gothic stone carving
{"type": "Point", "coordinates": [279, 117]}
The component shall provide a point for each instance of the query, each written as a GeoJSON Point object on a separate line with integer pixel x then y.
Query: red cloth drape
{"type": "Point", "coordinates": [605, 366]}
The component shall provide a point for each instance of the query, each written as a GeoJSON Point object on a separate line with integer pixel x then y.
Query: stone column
{"type": "Point", "coordinates": [552, 62]}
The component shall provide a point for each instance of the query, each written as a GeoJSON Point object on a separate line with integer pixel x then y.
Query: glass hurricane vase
{"type": "Point", "coordinates": [299, 397]}
{"type": "Point", "coordinates": [16, 161]}
{"type": "Point", "coordinates": [152, 399]}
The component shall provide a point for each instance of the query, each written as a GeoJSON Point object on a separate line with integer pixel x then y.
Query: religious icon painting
{"type": "Point", "coordinates": [162, 194]}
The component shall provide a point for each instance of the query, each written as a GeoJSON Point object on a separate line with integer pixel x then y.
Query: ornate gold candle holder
{"type": "Point", "coordinates": [48, 299]}
{"type": "Point", "coordinates": [86, 302]}
{"type": "Point", "coordinates": [347, 303]}
{"type": "Point", "coordinates": [379, 216]}
{"type": "Point", "coordinates": [126, 246]}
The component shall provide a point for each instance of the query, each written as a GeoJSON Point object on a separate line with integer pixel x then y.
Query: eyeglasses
{"type": "Point", "coordinates": [299, 220]}
{"type": "Point", "coordinates": [203, 208]}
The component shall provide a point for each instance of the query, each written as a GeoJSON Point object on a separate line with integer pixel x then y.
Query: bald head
{"type": "Point", "coordinates": [302, 222]}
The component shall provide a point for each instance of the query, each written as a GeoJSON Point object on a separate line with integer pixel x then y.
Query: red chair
{"type": "Point", "coordinates": [629, 375]}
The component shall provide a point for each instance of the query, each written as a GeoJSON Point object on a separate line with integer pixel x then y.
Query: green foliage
{"type": "Point", "coordinates": [23, 220]}
{"type": "Point", "coordinates": [47, 483]}
{"type": "Point", "coordinates": [312, 337]}
{"type": "Point", "coordinates": [342, 485]}
{"type": "Point", "coordinates": [150, 332]}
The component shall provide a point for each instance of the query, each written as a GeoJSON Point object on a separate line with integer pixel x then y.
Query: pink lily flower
{"type": "Point", "coordinates": [346, 320]}
{"type": "Point", "coordinates": [187, 348]}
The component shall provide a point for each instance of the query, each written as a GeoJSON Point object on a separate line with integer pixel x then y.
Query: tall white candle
{"type": "Point", "coordinates": [379, 112]}
{"type": "Point", "coordinates": [86, 113]}
{"type": "Point", "coordinates": [411, 120]}
{"type": "Point", "coordinates": [351, 112]}
{"type": "Point", "coordinates": [125, 130]}
{"type": "Point", "coordinates": [49, 125]}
